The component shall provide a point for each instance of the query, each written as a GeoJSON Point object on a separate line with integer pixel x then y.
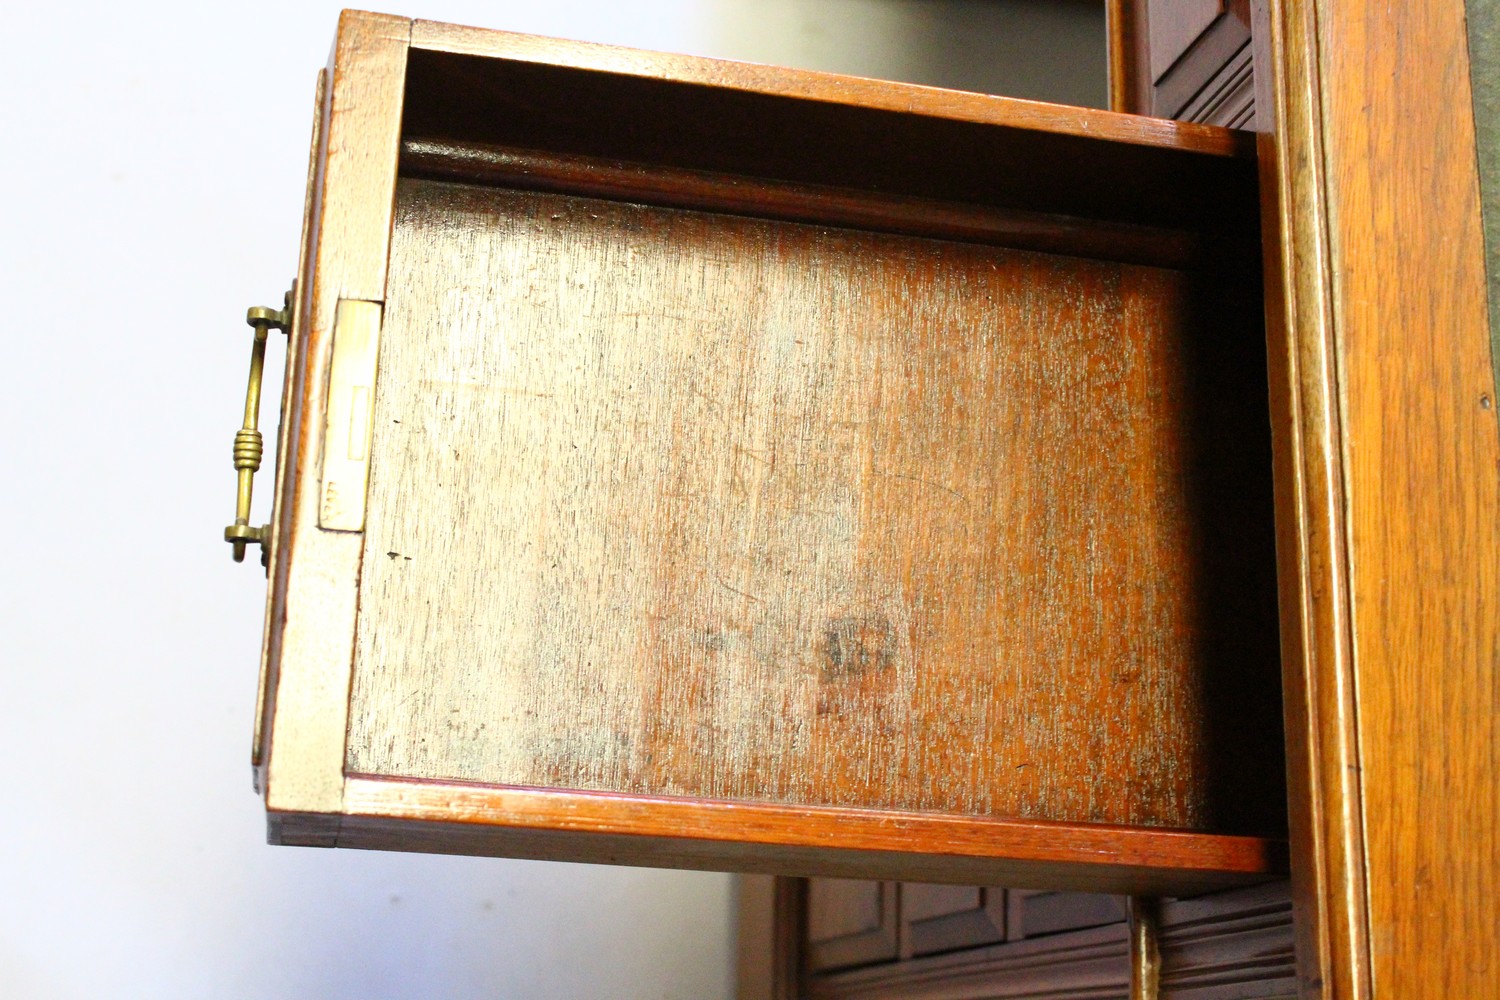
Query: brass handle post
{"type": "Point", "coordinates": [1145, 948]}
{"type": "Point", "coordinates": [248, 445]}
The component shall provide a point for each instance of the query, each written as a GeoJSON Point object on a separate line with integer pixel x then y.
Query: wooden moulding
{"type": "Point", "coordinates": [753, 837]}
{"type": "Point", "coordinates": [1386, 451]}
{"type": "Point", "coordinates": [1146, 757]}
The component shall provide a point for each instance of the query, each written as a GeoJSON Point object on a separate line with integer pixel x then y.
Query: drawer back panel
{"type": "Point", "coordinates": [673, 502]}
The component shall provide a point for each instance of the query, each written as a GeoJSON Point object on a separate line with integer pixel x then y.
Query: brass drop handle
{"type": "Point", "coordinates": [248, 446]}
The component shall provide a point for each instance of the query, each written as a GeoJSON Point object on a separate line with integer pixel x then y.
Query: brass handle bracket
{"type": "Point", "coordinates": [248, 445]}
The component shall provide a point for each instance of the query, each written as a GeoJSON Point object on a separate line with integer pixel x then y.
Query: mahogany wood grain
{"type": "Point", "coordinates": [1387, 455]}
{"type": "Point", "coordinates": [612, 828]}
{"type": "Point", "coordinates": [696, 505]}
{"type": "Point", "coordinates": [360, 137]}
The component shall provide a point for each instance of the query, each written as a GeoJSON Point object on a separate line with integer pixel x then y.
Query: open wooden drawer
{"type": "Point", "coordinates": [686, 463]}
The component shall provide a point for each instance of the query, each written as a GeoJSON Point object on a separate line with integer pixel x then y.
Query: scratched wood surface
{"type": "Point", "coordinates": [670, 503]}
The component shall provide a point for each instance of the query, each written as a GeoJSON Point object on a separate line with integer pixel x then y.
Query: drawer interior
{"type": "Point", "coordinates": [739, 447]}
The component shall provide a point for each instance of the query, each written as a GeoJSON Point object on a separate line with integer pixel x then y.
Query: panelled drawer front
{"type": "Point", "coordinates": [857, 922]}
{"type": "Point", "coordinates": [1233, 945]}
{"type": "Point", "coordinates": [938, 918]}
{"type": "Point", "coordinates": [1033, 914]}
{"type": "Point", "coordinates": [850, 922]}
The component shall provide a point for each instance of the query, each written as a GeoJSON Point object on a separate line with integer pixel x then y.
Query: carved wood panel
{"type": "Point", "coordinates": [1234, 945]}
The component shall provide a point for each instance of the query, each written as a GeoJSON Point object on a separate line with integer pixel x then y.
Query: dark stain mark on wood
{"type": "Point", "coordinates": [856, 644]}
